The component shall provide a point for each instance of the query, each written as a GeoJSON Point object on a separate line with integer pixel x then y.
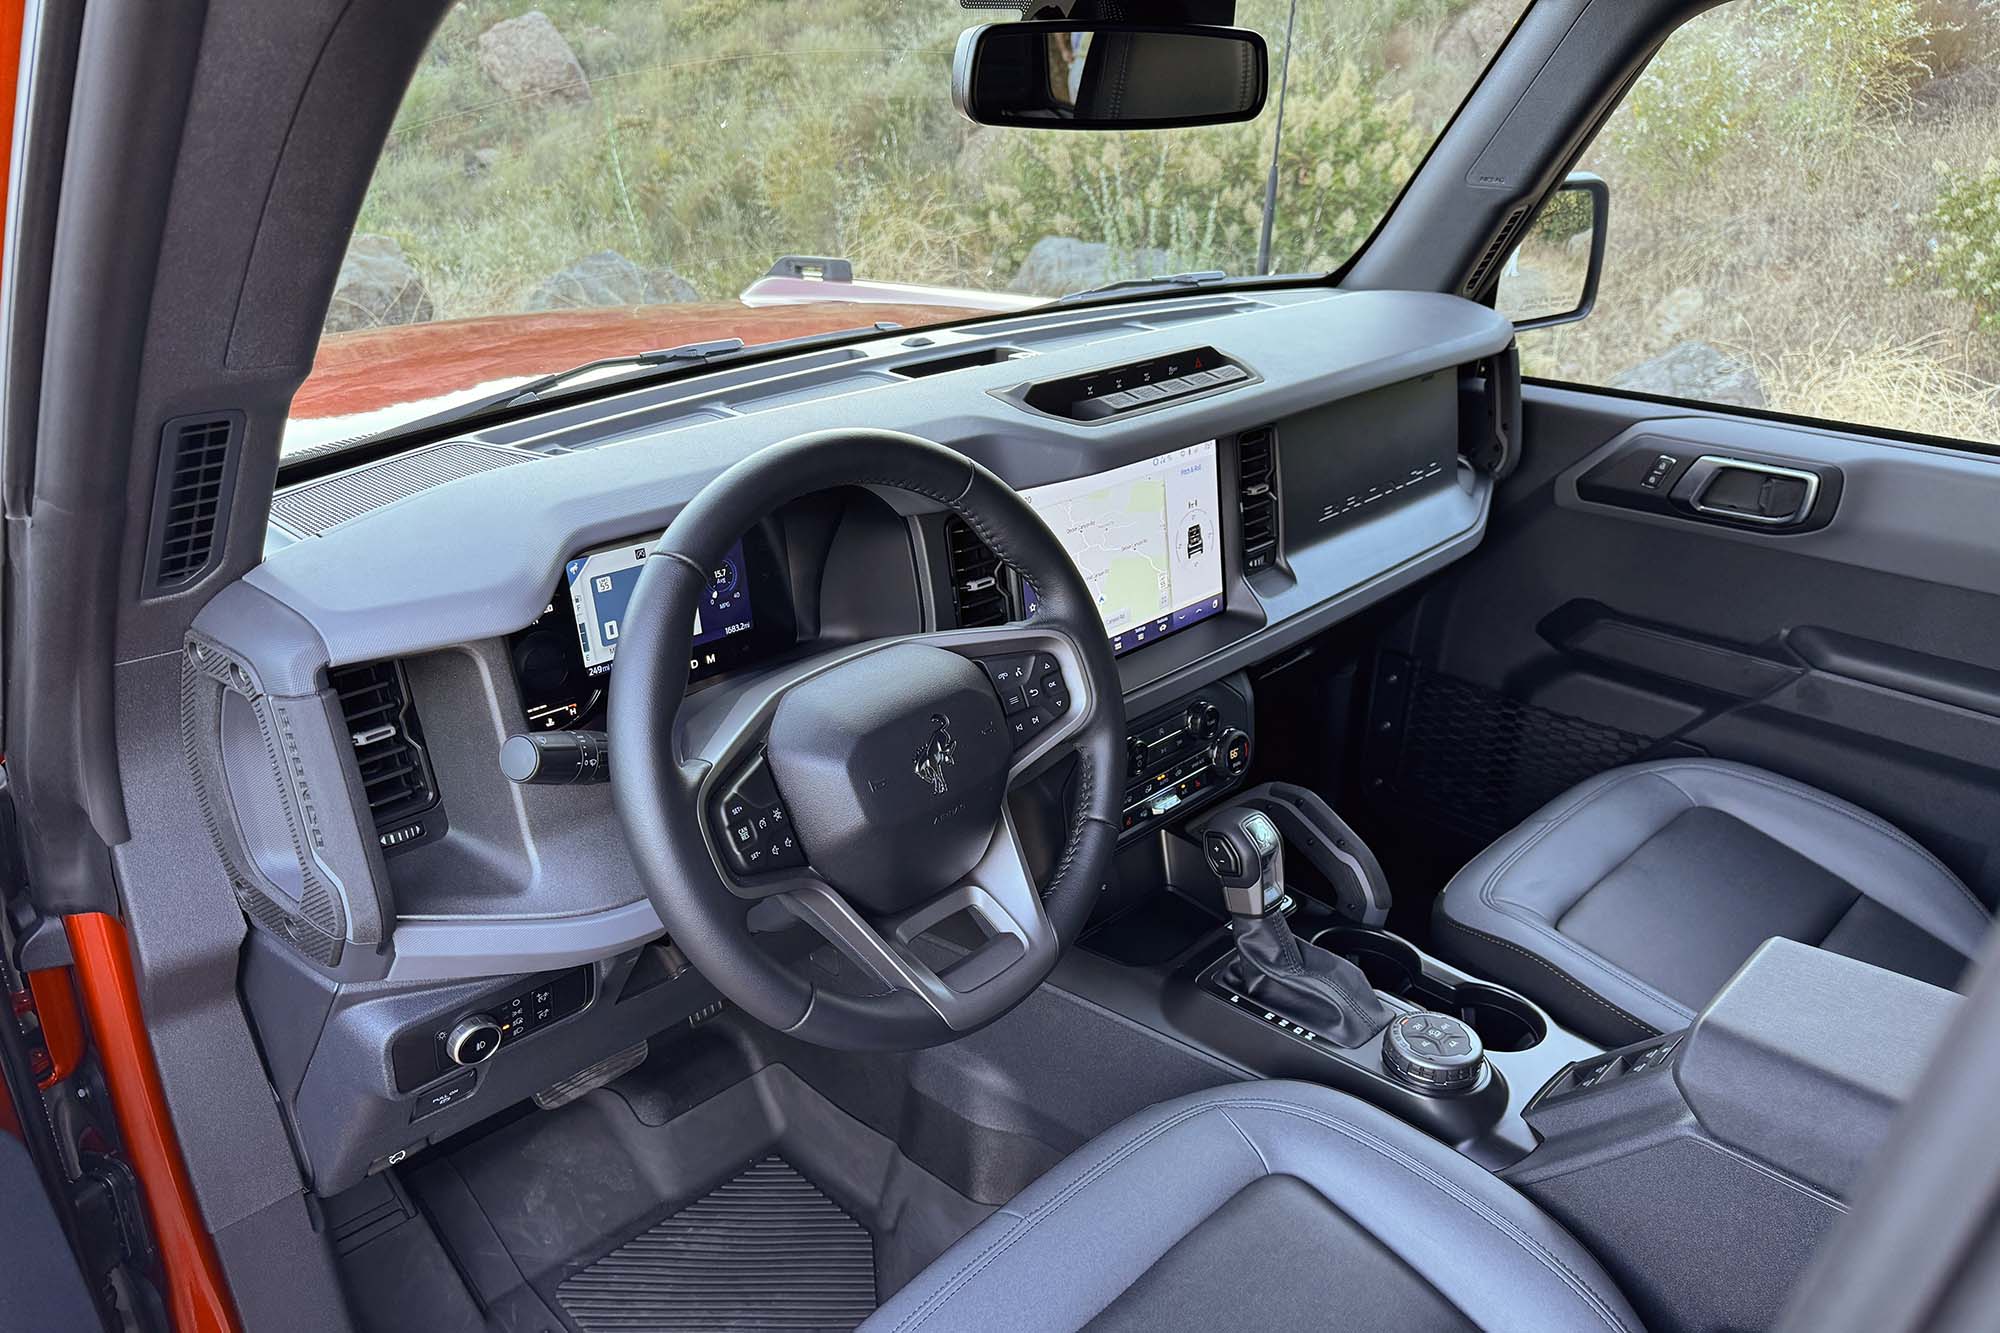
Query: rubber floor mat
{"type": "Point", "coordinates": [765, 1251]}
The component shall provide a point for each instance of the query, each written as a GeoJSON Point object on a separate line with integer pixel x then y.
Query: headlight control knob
{"type": "Point", "coordinates": [474, 1040]}
{"type": "Point", "coordinates": [1433, 1052]}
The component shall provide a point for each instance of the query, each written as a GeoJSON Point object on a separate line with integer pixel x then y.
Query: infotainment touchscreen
{"type": "Point", "coordinates": [600, 586]}
{"type": "Point", "coordinates": [1146, 539]}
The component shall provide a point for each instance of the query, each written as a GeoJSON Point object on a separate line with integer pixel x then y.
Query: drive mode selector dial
{"type": "Point", "coordinates": [1434, 1052]}
{"type": "Point", "coordinates": [475, 1039]}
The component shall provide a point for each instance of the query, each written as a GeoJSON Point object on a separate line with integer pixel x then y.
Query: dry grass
{"type": "Point", "coordinates": [1919, 386]}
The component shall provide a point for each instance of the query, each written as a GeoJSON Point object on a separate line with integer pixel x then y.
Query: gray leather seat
{"type": "Point", "coordinates": [1263, 1206]}
{"type": "Point", "coordinates": [1623, 905]}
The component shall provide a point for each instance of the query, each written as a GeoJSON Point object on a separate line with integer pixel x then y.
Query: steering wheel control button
{"type": "Point", "coordinates": [474, 1040]}
{"type": "Point", "coordinates": [752, 824]}
{"type": "Point", "coordinates": [1033, 693]}
{"type": "Point", "coordinates": [1011, 675]}
{"type": "Point", "coordinates": [1433, 1052]}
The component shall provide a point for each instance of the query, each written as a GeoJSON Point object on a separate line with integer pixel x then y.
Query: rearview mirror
{"type": "Point", "coordinates": [1104, 76]}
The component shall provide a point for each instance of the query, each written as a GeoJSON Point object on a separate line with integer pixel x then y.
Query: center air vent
{"type": "Point", "coordinates": [978, 577]}
{"type": "Point", "coordinates": [191, 499]}
{"type": "Point", "coordinates": [389, 749]}
{"type": "Point", "coordinates": [1257, 497]}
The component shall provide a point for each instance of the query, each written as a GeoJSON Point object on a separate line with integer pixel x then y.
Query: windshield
{"type": "Point", "coordinates": [601, 177]}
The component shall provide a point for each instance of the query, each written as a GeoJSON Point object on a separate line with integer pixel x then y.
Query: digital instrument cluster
{"type": "Point", "coordinates": [563, 661]}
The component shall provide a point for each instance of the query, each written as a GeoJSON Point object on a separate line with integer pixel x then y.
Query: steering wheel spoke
{"type": "Point", "coordinates": [1045, 690]}
{"type": "Point", "coordinates": [998, 900]}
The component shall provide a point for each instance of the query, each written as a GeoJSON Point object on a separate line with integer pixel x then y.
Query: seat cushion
{"type": "Point", "coordinates": [1263, 1205]}
{"type": "Point", "coordinates": [1624, 905]}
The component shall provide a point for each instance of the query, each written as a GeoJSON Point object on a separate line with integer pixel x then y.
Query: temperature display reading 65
{"type": "Point", "coordinates": [600, 589]}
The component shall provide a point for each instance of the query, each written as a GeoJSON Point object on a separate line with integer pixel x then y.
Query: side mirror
{"type": "Point", "coordinates": [1108, 76]}
{"type": "Point", "coordinates": [1551, 278]}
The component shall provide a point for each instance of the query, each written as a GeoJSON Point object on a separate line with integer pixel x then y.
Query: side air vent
{"type": "Point", "coordinates": [389, 749]}
{"type": "Point", "coordinates": [191, 498]}
{"type": "Point", "coordinates": [1257, 497]}
{"type": "Point", "coordinates": [1496, 250]}
{"type": "Point", "coordinates": [978, 578]}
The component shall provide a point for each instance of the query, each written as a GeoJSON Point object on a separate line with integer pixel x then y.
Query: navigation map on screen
{"type": "Point", "coordinates": [1146, 539]}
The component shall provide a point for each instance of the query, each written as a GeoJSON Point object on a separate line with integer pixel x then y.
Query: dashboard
{"type": "Point", "coordinates": [1233, 473]}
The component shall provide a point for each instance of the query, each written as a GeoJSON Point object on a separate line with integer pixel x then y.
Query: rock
{"type": "Point", "coordinates": [1695, 370]}
{"type": "Point", "coordinates": [1059, 264]}
{"type": "Point", "coordinates": [1471, 38]}
{"type": "Point", "coordinates": [1676, 317]}
{"type": "Point", "coordinates": [527, 58]}
{"type": "Point", "coordinates": [608, 278]}
{"type": "Point", "coordinates": [377, 286]}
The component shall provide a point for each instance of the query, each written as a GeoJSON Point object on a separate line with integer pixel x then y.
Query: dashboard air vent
{"type": "Point", "coordinates": [1496, 249]}
{"type": "Point", "coordinates": [978, 578]}
{"type": "Point", "coordinates": [1257, 497]}
{"type": "Point", "coordinates": [388, 747]}
{"type": "Point", "coordinates": [191, 500]}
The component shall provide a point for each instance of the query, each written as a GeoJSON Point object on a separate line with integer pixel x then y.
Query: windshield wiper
{"type": "Point", "coordinates": [1158, 282]}
{"type": "Point", "coordinates": [714, 351]}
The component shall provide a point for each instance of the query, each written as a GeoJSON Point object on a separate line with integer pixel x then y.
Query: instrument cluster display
{"type": "Point", "coordinates": [563, 661]}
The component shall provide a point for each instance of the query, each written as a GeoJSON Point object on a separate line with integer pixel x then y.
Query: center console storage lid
{"type": "Point", "coordinates": [1805, 1056]}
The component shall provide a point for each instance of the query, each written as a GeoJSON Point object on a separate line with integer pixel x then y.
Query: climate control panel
{"type": "Point", "coordinates": [1181, 756]}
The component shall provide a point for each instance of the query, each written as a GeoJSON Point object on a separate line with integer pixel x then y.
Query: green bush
{"type": "Point", "coordinates": [1859, 58]}
{"type": "Point", "coordinates": [1707, 90]}
{"type": "Point", "coordinates": [1565, 214]}
{"type": "Point", "coordinates": [1197, 197]}
{"type": "Point", "coordinates": [1796, 71]}
{"type": "Point", "coordinates": [1962, 240]}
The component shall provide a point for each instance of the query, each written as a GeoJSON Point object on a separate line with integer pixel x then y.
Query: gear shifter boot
{"type": "Point", "coordinates": [1317, 990]}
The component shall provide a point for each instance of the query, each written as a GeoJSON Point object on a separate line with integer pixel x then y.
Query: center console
{"type": "Point", "coordinates": [1704, 1167]}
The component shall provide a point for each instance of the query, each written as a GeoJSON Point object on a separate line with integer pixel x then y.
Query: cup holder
{"type": "Point", "coordinates": [1504, 1021]}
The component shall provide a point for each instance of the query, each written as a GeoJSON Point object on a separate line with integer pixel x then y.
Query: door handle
{"type": "Point", "coordinates": [1747, 492]}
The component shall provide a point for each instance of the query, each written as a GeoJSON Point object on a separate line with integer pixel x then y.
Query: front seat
{"type": "Point", "coordinates": [1263, 1206]}
{"type": "Point", "coordinates": [1623, 905]}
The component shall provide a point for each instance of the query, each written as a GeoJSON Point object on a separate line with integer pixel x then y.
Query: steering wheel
{"type": "Point", "coordinates": [863, 790]}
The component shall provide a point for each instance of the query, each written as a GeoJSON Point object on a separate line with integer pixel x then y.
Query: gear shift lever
{"type": "Point", "coordinates": [1316, 990]}
{"type": "Point", "coordinates": [1247, 854]}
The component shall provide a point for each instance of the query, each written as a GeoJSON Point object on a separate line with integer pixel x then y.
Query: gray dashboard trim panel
{"type": "Point", "coordinates": [476, 559]}
{"type": "Point", "coordinates": [450, 950]}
